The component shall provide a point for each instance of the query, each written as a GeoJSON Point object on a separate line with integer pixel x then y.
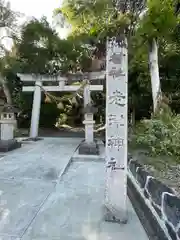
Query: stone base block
{"type": "Point", "coordinates": [33, 139]}
{"type": "Point", "coordinates": [9, 145]}
{"type": "Point", "coordinates": [89, 148]}
{"type": "Point", "coordinates": [110, 217]}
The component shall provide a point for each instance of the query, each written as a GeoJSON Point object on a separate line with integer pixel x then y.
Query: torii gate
{"type": "Point", "coordinates": [61, 87]}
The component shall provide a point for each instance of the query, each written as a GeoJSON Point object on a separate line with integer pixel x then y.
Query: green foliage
{"type": "Point", "coordinates": [92, 21]}
{"type": "Point", "coordinates": [160, 134]}
{"type": "Point", "coordinates": [62, 119]}
{"type": "Point", "coordinates": [51, 112]}
{"type": "Point", "coordinates": [40, 50]}
{"type": "Point", "coordinates": [35, 49]}
{"type": "Point", "coordinates": [8, 24]}
{"type": "Point", "coordinates": [159, 21]}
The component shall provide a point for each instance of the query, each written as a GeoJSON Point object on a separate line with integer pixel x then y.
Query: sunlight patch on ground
{"type": "Point", "coordinates": [88, 233]}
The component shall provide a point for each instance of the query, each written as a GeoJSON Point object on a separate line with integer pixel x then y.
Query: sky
{"type": "Point", "coordinates": [37, 9]}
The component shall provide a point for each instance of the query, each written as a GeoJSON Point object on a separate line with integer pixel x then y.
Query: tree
{"type": "Point", "coordinates": [7, 27]}
{"type": "Point", "coordinates": [158, 22]}
{"type": "Point", "coordinates": [42, 51]}
{"type": "Point", "coordinates": [93, 21]}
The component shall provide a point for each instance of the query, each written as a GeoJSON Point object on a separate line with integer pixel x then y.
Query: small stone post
{"type": "Point", "coordinates": [89, 126]}
{"type": "Point", "coordinates": [88, 115]}
{"type": "Point", "coordinates": [89, 147]}
{"type": "Point", "coordinates": [61, 84]}
{"type": "Point", "coordinates": [8, 124]}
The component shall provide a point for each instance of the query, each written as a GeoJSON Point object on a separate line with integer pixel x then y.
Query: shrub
{"type": "Point", "coordinates": [160, 134]}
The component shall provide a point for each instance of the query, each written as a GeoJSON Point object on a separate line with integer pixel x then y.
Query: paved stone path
{"type": "Point", "coordinates": [37, 203]}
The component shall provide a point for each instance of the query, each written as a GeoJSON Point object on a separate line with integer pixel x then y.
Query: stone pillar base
{"type": "Point", "coordinates": [109, 217]}
{"type": "Point", "coordinates": [34, 139]}
{"type": "Point", "coordinates": [89, 148]}
{"type": "Point", "coordinates": [9, 145]}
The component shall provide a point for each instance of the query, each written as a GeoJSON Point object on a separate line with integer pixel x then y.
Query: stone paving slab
{"type": "Point", "coordinates": [66, 237]}
{"type": "Point", "coordinates": [71, 205]}
{"type": "Point", "coordinates": [19, 203]}
{"type": "Point", "coordinates": [8, 238]}
{"type": "Point", "coordinates": [44, 160]}
{"type": "Point", "coordinates": [35, 207]}
{"type": "Point", "coordinates": [24, 149]}
{"type": "Point", "coordinates": [75, 210]}
{"type": "Point", "coordinates": [32, 147]}
{"type": "Point", "coordinates": [131, 231]}
{"type": "Point", "coordinates": [25, 183]}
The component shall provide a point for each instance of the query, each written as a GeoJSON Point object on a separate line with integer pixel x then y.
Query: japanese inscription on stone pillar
{"type": "Point", "coordinates": [116, 127]}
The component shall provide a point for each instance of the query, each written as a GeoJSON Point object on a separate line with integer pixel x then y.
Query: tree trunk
{"type": "Point", "coordinates": [133, 109]}
{"type": "Point", "coordinates": [133, 117]}
{"type": "Point", "coordinates": [6, 91]}
{"type": "Point", "coordinates": [154, 73]}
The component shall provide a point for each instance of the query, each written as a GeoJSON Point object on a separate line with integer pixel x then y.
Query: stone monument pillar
{"type": "Point", "coordinates": [116, 130]}
{"type": "Point", "coordinates": [89, 147]}
{"type": "Point", "coordinates": [8, 124]}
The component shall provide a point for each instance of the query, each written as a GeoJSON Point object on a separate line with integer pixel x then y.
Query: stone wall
{"type": "Point", "coordinates": [161, 200]}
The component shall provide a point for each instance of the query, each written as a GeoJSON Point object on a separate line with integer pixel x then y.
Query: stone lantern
{"type": "Point", "coordinates": [8, 125]}
{"type": "Point", "coordinates": [89, 147]}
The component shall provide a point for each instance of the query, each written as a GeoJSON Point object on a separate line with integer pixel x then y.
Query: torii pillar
{"type": "Point", "coordinates": [36, 110]}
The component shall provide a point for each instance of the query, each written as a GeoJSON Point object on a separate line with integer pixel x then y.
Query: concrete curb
{"type": "Point", "coordinates": [65, 168]}
{"type": "Point", "coordinates": [157, 205]}
{"type": "Point", "coordinates": [145, 213]}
